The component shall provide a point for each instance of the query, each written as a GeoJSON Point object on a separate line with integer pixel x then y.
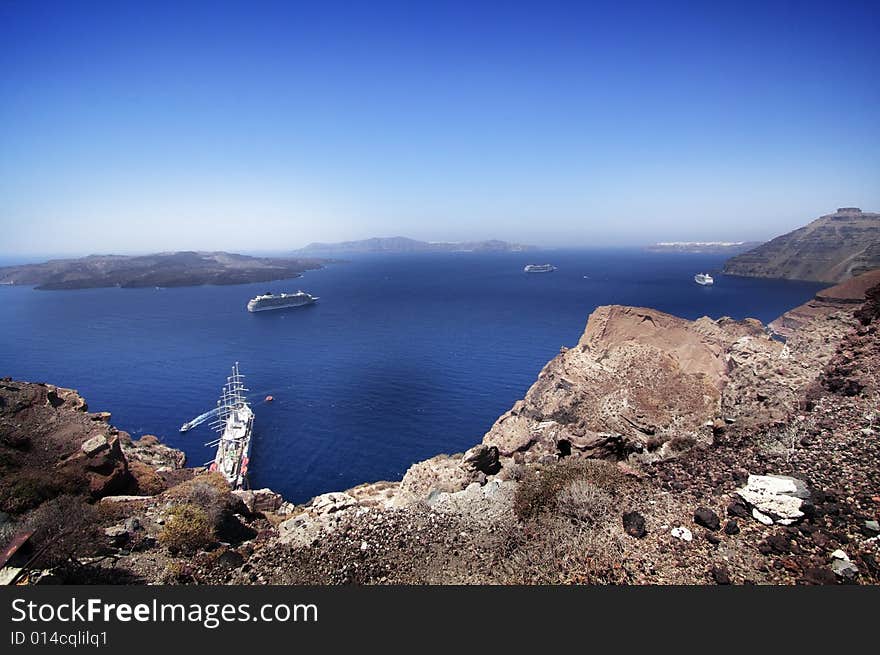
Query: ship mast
{"type": "Point", "coordinates": [232, 398]}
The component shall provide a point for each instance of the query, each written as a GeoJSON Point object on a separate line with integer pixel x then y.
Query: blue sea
{"type": "Point", "coordinates": [403, 357]}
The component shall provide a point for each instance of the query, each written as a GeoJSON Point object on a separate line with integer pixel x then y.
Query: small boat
{"type": "Point", "coordinates": [269, 399]}
{"type": "Point", "coordinates": [704, 279]}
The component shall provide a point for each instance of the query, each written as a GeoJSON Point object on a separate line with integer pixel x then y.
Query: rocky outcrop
{"type": "Point", "coordinates": [52, 445]}
{"type": "Point", "coordinates": [260, 500]}
{"type": "Point", "coordinates": [831, 249]}
{"type": "Point", "coordinates": [841, 297]}
{"type": "Point", "coordinates": [637, 378]}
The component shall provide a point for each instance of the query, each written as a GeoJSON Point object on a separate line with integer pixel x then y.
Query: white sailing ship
{"type": "Point", "coordinates": [234, 422]}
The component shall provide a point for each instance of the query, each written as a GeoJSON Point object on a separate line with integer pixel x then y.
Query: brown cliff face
{"type": "Point", "coordinates": [51, 445]}
{"type": "Point", "coordinates": [843, 296]}
{"type": "Point", "coordinates": [831, 249]}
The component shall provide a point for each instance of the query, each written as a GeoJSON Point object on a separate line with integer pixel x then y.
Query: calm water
{"type": "Point", "coordinates": [404, 356]}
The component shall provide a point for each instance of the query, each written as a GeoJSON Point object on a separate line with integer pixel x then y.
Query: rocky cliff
{"type": "Point", "coordinates": [828, 301]}
{"type": "Point", "coordinates": [830, 249]}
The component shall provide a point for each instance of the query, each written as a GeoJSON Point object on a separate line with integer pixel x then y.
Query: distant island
{"type": "Point", "coordinates": [168, 269]}
{"type": "Point", "coordinates": [404, 245]}
{"type": "Point", "coordinates": [711, 247]}
{"type": "Point", "coordinates": [832, 248]}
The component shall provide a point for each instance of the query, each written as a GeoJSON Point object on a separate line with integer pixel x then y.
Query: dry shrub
{"type": "Point", "coordinates": [147, 480]}
{"type": "Point", "coordinates": [187, 529]}
{"type": "Point", "coordinates": [538, 491]}
{"type": "Point", "coordinates": [682, 443]}
{"type": "Point", "coordinates": [513, 471]}
{"type": "Point", "coordinates": [584, 501]}
{"type": "Point", "coordinates": [211, 479]}
{"type": "Point", "coordinates": [209, 491]}
{"type": "Point", "coordinates": [26, 491]}
{"type": "Point", "coordinates": [65, 528]}
{"type": "Point", "coordinates": [654, 442]}
{"type": "Point", "coordinates": [176, 572]}
{"type": "Point", "coordinates": [565, 535]}
{"type": "Point", "coordinates": [552, 550]}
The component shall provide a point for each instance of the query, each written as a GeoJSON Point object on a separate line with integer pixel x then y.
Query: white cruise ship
{"type": "Point", "coordinates": [268, 301]}
{"type": "Point", "coordinates": [539, 268]}
{"type": "Point", "coordinates": [703, 278]}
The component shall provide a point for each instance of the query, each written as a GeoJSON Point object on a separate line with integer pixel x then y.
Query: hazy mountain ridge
{"type": "Point", "coordinates": [405, 244]}
{"type": "Point", "coordinates": [832, 248]}
{"type": "Point", "coordinates": [166, 269]}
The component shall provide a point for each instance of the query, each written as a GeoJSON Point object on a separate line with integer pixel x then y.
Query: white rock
{"type": "Point", "coordinates": [777, 497]}
{"type": "Point", "coordinates": [839, 554]}
{"type": "Point", "coordinates": [845, 569]}
{"type": "Point", "coordinates": [365, 546]}
{"type": "Point", "coordinates": [682, 533]}
{"type": "Point", "coordinates": [763, 518]}
{"type": "Point", "coordinates": [94, 445]}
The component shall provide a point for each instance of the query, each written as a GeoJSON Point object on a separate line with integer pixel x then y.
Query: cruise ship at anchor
{"type": "Point", "coordinates": [269, 300]}
{"type": "Point", "coordinates": [704, 278]}
{"type": "Point", "coordinates": [235, 423]}
{"type": "Point", "coordinates": [539, 268]}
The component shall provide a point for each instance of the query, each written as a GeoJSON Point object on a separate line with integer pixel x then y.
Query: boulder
{"type": "Point", "coordinates": [634, 524]}
{"type": "Point", "coordinates": [482, 458]}
{"type": "Point", "coordinates": [329, 503]}
{"type": "Point", "coordinates": [440, 474]}
{"type": "Point", "coordinates": [324, 514]}
{"type": "Point", "coordinates": [845, 569]}
{"type": "Point", "coordinates": [95, 445]}
{"type": "Point", "coordinates": [707, 518]}
{"type": "Point", "coordinates": [117, 534]}
{"type": "Point", "coordinates": [739, 509]}
{"type": "Point", "coordinates": [721, 575]}
{"type": "Point", "coordinates": [259, 500]}
{"type": "Point", "coordinates": [780, 498]}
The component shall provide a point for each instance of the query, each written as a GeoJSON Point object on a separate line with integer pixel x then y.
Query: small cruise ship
{"type": "Point", "coordinates": [703, 278]}
{"type": "Point", "coordinates": [269, 300]}
{"type": "Point", "coordinates": [539, 268]}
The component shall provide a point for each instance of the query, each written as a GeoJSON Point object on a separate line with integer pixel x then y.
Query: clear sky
{"type": "Point", "coordinates": [150, 125]}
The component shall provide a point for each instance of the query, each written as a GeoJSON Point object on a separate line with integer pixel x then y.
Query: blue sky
{"type": "Point", "coordinates": [141, 126]}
